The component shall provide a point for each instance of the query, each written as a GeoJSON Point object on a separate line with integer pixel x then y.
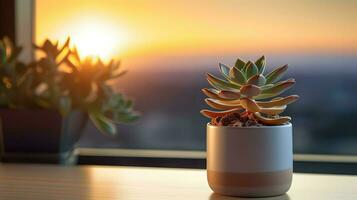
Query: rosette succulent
{"type": "Point", "coordinates": [60, 80]}
{"type": "Point", "coordinates": [247, 96]}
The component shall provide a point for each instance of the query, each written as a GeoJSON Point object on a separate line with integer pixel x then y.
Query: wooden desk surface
{"type": "Point", "coordinates": [39, 182]}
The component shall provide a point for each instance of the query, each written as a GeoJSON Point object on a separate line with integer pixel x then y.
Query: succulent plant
{"type": "Point", "coordinates": [60, 80]}
{"type": "Point", "coordinates": [89, 86]}
{"type": "Point", "coordinates": [15, 84]}
{"type": "Point", "coordinates": [241, 96]}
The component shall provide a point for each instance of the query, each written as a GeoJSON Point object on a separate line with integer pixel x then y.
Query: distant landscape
{"type": "Point", "coordinates": [168, 46]}
{"type": "Point", "coordinates": [170, 100]}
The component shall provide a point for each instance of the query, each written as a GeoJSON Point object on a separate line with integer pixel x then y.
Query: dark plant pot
{"type": "Point", "coordinates": [39, 136]}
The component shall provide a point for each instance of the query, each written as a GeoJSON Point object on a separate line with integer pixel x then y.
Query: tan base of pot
{"type": "Point", "coordinates": [262, 184]}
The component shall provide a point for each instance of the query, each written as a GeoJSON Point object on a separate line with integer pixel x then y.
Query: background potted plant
{"type": "Point", "coordinates": [249, 145]}
{"type": "Point", "coordinates": [45, 104]}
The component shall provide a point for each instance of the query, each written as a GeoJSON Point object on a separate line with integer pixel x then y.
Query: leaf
{"type": "Point", "coordinates": [214, 114]}
{"type": "Point", "coordinates": [239, 64]}
{"type": "Point", "coordinates": [224, 70]}
{"type": "Point", "coordinates": [226, 94]}
{"type": "Point", "coordinates": [213, 93]}
{"type": "Point", "coordinates": [210, 92]}
{"type": "Point", "coordinates": [128, 104]}
{"type": "Point", "coordinates": [276, 74]}
{"type": "Point", "coordinates": [117, 75]}
{"type": "Point", "coordinates": [76, 54]}
{"type": "Point", "coordinates": [250, 90]}
{"type": "Point", "coordinates": [279, 102]}
{"type": "Point", "coordinates": [234, 102]}
{"type": "Point", "coordinates": [9, 46]}
{"type": "Point", "coordinates": [219, 83]}
{"type": "Point", "coordinates": [49, 48]}
{"type": "Point", "coordinates": [267, 86]}
{"type": "Point", "coordinates": [102, 123]}
{"type": "Point", "coordinates": [251, 70]}
{"type": "Point", "coordinates": [279, 87]}
{"type": "Point", "coordinates": [217, 86]}
{"type": "Point", "coordinates": [249, 105]}
{"type": "Point", "coordinates": [258, 80]}
{"type": "Point", "coordinates": [216, 104]}
{"type": "Point", "coordinates": [264, 96]}
{"type": "Point", "coordinates": [273, 110]}
{"type": "Point", "coordinates": [261, 63]}
{"type": "Point", "coordinates": [126, 117]}
{"type": "Point", "coordinates": [65, 45]}
{"type": "Point", "coordinates": [237, 76]}
{"type": "Point", "coordinates": [271, 121]}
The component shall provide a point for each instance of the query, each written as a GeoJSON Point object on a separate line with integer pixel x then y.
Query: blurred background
{"type": "Point", "coordinates": [167, 46]}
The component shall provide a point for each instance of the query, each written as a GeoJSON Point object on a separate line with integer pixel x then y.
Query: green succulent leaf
{"type": "Point", "coordinates": [267, 86]}
{"type": "Point", "coordinates": [221, 84]}
{"type": "Point", "coordinates": [276, 74]}
{"type": "Point", "coordinates": [251, 70]}
{"type": "Point", "coordinates": [224, 70]}
{"type": "Point", "coordinates": [126, 117]}
{"type": "Point", "coordinates": [102, 123]}
{"type": "Point", "coordinates": [237, 76]}
{"type": "Point", "coordinates": [244, 69]}
{"type": "Point", "coordinates": [265, 96]}
{"type": "Point", "coordinates": [239, 64]}
{"type": "Point", "coordinates": [276, 90]}
{"type": "Point", "coordinates": [261, 63]}
{"type": "Point", "coordinates": [257, 79]}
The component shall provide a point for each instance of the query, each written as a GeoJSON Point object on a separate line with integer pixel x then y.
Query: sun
{"type": "Point", "coordinates": [97, 38]}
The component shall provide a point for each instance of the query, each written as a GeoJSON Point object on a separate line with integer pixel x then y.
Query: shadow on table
{"type": "Point", "coordinates": [221, 197]}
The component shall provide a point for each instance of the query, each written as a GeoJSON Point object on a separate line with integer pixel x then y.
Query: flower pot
{"type": "Point", "coordinates": [39, 135]}
{"type": "Point", "coordinates": [249, 161]}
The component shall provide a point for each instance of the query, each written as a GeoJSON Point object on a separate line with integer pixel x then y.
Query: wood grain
{"type": "Point", "coordinates": [39, 182]}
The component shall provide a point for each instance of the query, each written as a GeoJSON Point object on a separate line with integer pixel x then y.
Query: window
{"type": "Point", "coordinates": [167, 46]}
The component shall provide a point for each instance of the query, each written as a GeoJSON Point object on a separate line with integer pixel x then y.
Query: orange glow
{"type": "Point", "coordinates": [112, 27]}
{"type": "Point", "coordinates": [97, 38]}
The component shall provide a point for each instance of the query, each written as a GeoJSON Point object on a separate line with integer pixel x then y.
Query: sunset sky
{"type": "Point", "coordinates": [176, 27]}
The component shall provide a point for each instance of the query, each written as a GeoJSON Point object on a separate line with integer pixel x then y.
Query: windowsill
{"type": "Point", "coordinates": [305, 163]}
{"type": "Point", "coordinates": [151, 153]}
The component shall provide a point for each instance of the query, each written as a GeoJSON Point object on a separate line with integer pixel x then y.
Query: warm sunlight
{"type": "Point", "coordinates": [97, 38]}
{"type": "Point", "coordinates": [127, 28]}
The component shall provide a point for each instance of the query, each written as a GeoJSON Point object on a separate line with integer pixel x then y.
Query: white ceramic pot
{"type": "Point", "coordinates": [249, 161]}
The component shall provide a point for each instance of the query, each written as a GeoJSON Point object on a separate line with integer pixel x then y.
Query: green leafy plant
{"type": "Point", "coordinates": [14, 77]}
{"type": "Point", "coordinates": [60, 80]}
{"type": "Point", "coordinates": [240, 96]}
